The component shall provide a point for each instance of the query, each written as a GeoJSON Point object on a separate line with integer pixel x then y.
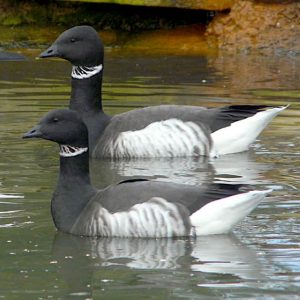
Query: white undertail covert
{"type": "Point", "coordinates": [241, 134]}
{"type": "Point", "coordinates": [220, 216]}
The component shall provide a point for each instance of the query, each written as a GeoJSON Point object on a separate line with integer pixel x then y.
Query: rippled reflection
{"type": "Point", "coordinates": [195, 171]}
{"type": "Point", "coordinates": [87, 257]}
{"type": "Point", "coordinates": [223, 254]}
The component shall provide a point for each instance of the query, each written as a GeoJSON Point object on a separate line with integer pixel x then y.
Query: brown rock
{"type": "Point", "coordinates": [257, 26]}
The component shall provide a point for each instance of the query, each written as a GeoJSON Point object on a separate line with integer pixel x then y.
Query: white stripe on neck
{"type": "Point", "coordinates": [82, 72]}
{"type": "Point", "coordinates": [69, 151]}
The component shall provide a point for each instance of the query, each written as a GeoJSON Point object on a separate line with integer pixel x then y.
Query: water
{"type": "Point", "coordinates": [260, 260]}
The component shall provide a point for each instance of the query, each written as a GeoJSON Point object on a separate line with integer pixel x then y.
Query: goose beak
{"type": "Point", "coordinates": [35, 132]}
{"type": "Point", "coordinates": [52, 51]}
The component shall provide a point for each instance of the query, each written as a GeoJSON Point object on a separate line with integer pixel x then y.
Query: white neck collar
{"type": "Point", "coordinates": [69, 151]}
{"type": "Point", "coordinates": [82, 72]}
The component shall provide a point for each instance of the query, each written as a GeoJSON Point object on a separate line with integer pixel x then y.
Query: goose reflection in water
{"type": "Point", "coordinates": [240, 168]}
{"type": "Point", "coordinates": [223, 254]}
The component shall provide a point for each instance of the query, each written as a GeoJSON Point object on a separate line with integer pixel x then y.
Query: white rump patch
{"type": "Point", "coordinates": [82, 72]}
{"type": "Point", "coordinates": [241, 134]}
{"type": "Point", "coordinates": [220, 216]}
{"type": "Point", "coordinates": [69, 151]}
{"type": "Point", "coordinates": [169, 138]}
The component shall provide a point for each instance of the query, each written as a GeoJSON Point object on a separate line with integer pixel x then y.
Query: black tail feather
{"type": "Point", "coordinates": [230, 114]}
{"type": "Point", "coordinates": [216, 191]}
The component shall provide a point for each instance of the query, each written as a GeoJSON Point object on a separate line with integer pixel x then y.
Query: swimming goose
{"type": "Point", "coordinates": [132, 208]}
{"type": "Point", "coordinates": [166, 130]}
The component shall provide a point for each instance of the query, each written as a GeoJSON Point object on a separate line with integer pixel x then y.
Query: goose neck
{"type": "Point", "coordinates": [73, 191]}
{"type": "Point", "coordinates": [74, 169]}
{"type": "Point", "coordinates": [86, 93]}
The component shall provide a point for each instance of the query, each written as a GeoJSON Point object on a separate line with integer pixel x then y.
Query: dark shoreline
{"type": "Point", "coordinates": [250, 26]}
{"type": "Point", "coordinates": [101, 16]}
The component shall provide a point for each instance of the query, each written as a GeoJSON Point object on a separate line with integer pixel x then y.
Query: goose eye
{"type": "Point", "coordinates": [73, 40]}
{"type": "Point", "coordinates": [55, 120]}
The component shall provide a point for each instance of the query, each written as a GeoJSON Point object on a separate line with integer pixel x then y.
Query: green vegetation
{"type": "Point", "coordinates": [102, 16]}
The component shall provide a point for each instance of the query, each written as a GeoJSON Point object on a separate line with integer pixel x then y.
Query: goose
{"type": "Point", "coordinates": [156, 131]}
{"type": "Point", "coordinates": [134, 208]}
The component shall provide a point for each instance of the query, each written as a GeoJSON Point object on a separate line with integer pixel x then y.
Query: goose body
{"type": "Point", "coordinates": [174, 130]}
{"type": "Point", "coordinates": [133, 208]}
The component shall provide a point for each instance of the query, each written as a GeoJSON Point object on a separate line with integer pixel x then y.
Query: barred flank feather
{"type": "Point", "coordinates": [169, 138]}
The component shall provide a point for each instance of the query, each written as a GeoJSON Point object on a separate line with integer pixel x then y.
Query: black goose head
{"type": "Point", "coordinates": [62, 126]}
{"type": "Point", "coordinates": [80, 45]}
